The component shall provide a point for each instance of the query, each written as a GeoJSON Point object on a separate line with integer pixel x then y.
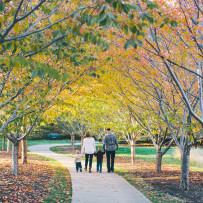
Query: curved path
{"type": "Point", "coordinates": [94, 187]}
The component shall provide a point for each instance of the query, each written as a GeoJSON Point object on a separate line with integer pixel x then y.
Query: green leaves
{"type": "Point", "coordinates": [173, 23]}
{"type": "Point", "coordinates": [65, 77]}
{"type": "Point", "coordinates": [2, 6]}
{"type": "Point", "coordinates": [129, 43]}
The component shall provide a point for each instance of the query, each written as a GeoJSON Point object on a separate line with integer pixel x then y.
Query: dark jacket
{"type": "Point", "coordinates": [99, 156]}
{"type": "Point", "coordinates": [109, 142]}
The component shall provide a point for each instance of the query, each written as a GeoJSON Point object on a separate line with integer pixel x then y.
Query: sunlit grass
{"type": "Point", "coordinates": [38, 142]}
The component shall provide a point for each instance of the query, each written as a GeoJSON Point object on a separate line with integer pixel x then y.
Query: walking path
{"type": "Point", "coordinates": [94, 187]}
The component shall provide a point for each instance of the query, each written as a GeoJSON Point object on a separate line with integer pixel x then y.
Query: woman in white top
{"type": "Point", "coordinates": [89, 149]}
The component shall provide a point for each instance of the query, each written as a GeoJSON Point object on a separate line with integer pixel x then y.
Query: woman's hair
{"type": "Point", "coordinates": [87, 134]}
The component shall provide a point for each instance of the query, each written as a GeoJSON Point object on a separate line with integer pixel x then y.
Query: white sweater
{"type": "Point", "coordinates": [88, 146]}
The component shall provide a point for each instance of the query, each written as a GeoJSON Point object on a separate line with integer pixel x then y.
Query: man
{"type": "Point", "coordinates": [109, 147]}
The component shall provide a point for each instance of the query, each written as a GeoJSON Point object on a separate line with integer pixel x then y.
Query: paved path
{"type": "Point", "coordinates": [94, 187]}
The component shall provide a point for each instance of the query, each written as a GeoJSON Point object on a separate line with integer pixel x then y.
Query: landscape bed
{"type": "Point", "coordinates": [41, 180]}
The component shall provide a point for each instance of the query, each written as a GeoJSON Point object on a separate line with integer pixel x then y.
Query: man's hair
{"type": "Point", "coordinates": [108, 129]}
{"type": "Point", "coordinates": [77, 152]}
{"type": "Point", "coordinates": [99, 149]}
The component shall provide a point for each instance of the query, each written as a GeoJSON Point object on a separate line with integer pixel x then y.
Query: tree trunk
{"type": "Point", "coordinates": [133, 152]}
{"type": "Point", "coordinates": [185, 160]}
{"type": "Point", "coordinates": [14, 168]}
{"type": "Point", "coordinates": [158, 161]}
{"type": "Point", "coordinates": [3, 142]}
{"type": "Point", "coordinates": [82, 138]}
{"type": "Point", "coordinates": [73, 141]}
{"type": "Point", "coordinates": [20, 150]}
{"type": "Point", "coordinates": [8, 145]}
{"type": "Point", "coordinates": [24, 151]}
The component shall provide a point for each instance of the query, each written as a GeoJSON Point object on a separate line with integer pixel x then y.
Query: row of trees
{"type": "Point", "coordinates": [158, 84]}
{"type": "Point", "coordinates": [154, 82]}
{"type": "Point", "coordinates": [42, 54]}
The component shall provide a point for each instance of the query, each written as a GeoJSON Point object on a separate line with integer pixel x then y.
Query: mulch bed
{"type": "Point", "coordinates": [31, 185]}
{"type": "Point", "coordinates": [168, 181]}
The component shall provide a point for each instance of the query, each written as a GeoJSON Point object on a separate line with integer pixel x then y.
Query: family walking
{"type": "Point", "coordinates": [89, 149]}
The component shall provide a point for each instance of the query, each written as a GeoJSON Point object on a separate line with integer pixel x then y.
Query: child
{"type": "Point", "coordinates": [99, 154]}
{"type": "Point", "coordinates": [78, 158]}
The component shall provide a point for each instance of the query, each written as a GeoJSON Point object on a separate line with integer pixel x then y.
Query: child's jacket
{"type": "Point", "coordinates": [78, 158]}
{"type": "Point", "coordinates": [99, 156]}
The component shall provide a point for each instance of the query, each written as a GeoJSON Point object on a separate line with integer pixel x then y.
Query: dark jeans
{"type": "Point", "coordinates": [99, 166]}
{"type": "Point", "coordinates": [110, 156]}
{"type": "Point", "coordinates": [78, 165]}
{"type": "Point", "coordinates": [86, 160]}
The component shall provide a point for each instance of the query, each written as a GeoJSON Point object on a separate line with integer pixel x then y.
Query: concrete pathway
{"type": "Point", "coordinates": [94, 187]}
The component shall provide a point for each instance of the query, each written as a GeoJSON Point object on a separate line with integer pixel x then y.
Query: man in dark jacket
{"type": "Point", "coordinates": [110, 141]}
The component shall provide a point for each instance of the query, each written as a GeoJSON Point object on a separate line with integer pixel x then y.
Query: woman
{"type": "Point", "coordinates": [89, 149]}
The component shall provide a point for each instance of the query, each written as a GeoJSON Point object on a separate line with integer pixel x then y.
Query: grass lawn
{"type": "Point", "coordinates": [149, 154]}
{"type": "Point", "coordinates": [37, 142]}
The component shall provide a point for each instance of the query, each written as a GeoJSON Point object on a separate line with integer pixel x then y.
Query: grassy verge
{"type": "Point", "coordinates": [149, 154]}
{"type": "Point", "coordinates": [37, 142]}
{"type": "Point", "coordinates": [151, 193]}
{"type": "Point", "coordinates": [60, 188]}
{"type": "Point", "coordinates": [58, 151]}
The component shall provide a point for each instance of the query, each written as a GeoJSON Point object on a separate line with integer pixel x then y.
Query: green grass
{"type": "Point", "coordinates": [151, 193]}
{"type": "Point", "coordinates": [38, 142]}
{"type": "Point", "coordinates": [58, 151]}
{"type": "Point", "coordinates": [149, 154]}
{"type": "Point", "coordinates": [60, 188]}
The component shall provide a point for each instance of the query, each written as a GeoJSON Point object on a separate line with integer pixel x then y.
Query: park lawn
{"type": "Point", "coordinates": [40, 142]}
{"type": "Point", "coordinates": [146, 154]}
{"type": "Point", "coordinates": [149, 154]}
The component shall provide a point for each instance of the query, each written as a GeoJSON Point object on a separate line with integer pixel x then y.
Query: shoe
{"type": "Point", "coordinates": [76, 171]}
{"type": "Point", "coordinates": [90, 170]}
{"type": "Point", "coordinates": [109, 171]}
{"type": "Point", "coordinates": [85, 168]}
{"type": "Point", "coordinates": [100, 172]}
{"type": "Point", "coordinates": [97, 171]}
{"type": "Point", "coordinates": [81, 170]}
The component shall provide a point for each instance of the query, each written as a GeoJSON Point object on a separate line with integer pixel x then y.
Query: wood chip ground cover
{"type": "Point", "coordinates": [35, 182]}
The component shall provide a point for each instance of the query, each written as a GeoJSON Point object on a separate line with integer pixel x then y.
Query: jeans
{"type": "Point", "coordinates": [110, 156]}
{"type": "Point", "coordinates": [78, 165]}
{"type": "Point", "coordinates": [99, 166]}
{"type": "Point", "coordinates": [86, 160]}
